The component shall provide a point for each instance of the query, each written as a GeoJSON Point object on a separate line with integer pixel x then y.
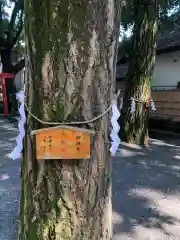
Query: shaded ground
{"type": "Point", "coordinates": [146, 190]}
{"type": "Point", "coordinates": [9, 183]}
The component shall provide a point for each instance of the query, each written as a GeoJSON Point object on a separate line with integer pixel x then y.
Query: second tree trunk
{"type": "Point", "coordinates": [134, 128]}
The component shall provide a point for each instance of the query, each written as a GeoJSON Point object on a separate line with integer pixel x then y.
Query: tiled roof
{"type": "Point", "coordinates": [121, 70]}
{"type": "Point", "coordinates": [169, 40]}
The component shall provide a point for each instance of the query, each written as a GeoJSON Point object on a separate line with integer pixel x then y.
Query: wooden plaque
{"type": "Point", "coordinates": [62, 143]}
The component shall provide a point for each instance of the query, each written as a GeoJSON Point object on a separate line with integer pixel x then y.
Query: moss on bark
{"type": "Point", "coordinates": [71, 57]}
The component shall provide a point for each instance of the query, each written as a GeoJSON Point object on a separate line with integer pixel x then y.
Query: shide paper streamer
{"type": "Point", "coordinates": [152, 105]}
{"type": "Point", "coordinates": [132, 110]}
{"type": "Point", "coordinates": [115, 129]}
{"type": "Point", "coordinates": [16, 153]}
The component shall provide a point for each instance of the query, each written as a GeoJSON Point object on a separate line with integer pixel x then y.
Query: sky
{"type": "Point", "coordinates": [9, 10]}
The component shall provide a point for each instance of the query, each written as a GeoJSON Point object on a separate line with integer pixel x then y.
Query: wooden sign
{"type": "Point", "coordinates": [62, 143]}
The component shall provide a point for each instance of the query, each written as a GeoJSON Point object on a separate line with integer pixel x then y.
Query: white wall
{"type": "Point", "coordinates": [167, 71]}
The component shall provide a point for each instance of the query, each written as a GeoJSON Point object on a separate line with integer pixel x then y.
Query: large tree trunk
{"type": "Point", "coordinates": [134, 129]}
{"type": "Point", "coordinates": [71, 60]}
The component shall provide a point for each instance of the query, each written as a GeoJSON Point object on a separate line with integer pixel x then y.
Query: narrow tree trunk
{"type": "Point", "coordinates": [71, 59]}
{"type": "Point", "coordinates": [8, 67]}
{"type": "Point", "coordinates": [10, 84]}
{"type": "Point", "coordinates": [134, 129]}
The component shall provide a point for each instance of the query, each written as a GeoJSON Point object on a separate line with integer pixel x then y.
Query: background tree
{"type": "Point", "coordinates": [11, 48]}
{"type": "Point", "coordinates": [10, 33]}
{"type": "Point", "coordinates": [71, 59]}
{"type": "Point", "coordinates": [141, 65]}
{"type": "Point", "coordinates": [140, 52]}
{"type": "Point", "coordinates": [169, 19]}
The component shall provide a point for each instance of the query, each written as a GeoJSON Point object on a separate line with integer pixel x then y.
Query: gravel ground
{"type": "Point", "coordinates": [146, 189]}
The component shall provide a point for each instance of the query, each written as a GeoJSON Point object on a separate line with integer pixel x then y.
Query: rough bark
{"type": "Point", "coordinates": [71, 60]}
{"type": "Point", "coordinates": [134, 129]}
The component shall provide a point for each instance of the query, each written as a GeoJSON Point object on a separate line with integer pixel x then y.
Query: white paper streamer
{"type": "Point", "coordinates": [132, 111]}
{"type": "Point", "coordinates": [16, 153]}
{"type": "Point", "coordinates": [115, 129]}
{"type": "Point", "coordinates": [121, 104]}
{"type": "Point", "coordinates": [152, 105]}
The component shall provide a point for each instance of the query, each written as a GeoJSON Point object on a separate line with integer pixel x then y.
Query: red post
{"type": "Point", "coordinates": [5, 103]}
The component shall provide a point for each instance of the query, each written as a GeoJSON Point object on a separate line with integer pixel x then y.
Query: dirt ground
{"type": "Point", "coordinates": [146, 189]}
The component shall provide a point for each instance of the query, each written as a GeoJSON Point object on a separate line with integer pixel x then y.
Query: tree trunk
{"type": "Point", "coordinates": [71, 58]}
{"type": "Point", "coordinates": [10, 84]}
{"type": "Point", "coordinates": [8, 67]}
{"type": "Point", "coordinates": [6, 60]}
{"type": "Point", "coordinates": [134, 129]}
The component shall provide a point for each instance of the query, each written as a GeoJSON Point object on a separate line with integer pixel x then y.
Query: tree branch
{"type": "Point", "coordinates": [19, 66]}
{"type": "Point", "coordinates": [13, 20]}
{"type": "Point", "coordinates": [1, 12]}
{"type": "Point", "coordinates": [1, 28]}
{"type": "Point", "coordinates": [18, 32]}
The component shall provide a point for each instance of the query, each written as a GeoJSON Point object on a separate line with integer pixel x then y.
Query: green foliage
{"type": "Point", "coordinates": [10, 26]}
{"type": "Point", "coordinates": [127, 18]}
{"type": "Point", "coordinates": [170, 22]}
{"type": "Point", "coordinates": [169, 19]}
